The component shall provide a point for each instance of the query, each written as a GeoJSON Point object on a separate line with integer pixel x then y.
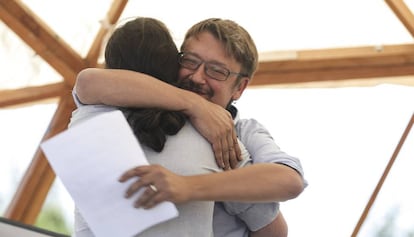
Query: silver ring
{"type": "Point", "coordinates": [153, 188]}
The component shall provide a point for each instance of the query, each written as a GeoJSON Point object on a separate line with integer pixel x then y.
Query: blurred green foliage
{"type": "Point", "coordinates": [51, 218]}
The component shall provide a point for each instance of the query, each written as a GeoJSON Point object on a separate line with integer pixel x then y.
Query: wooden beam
{"type": "Point", "coordinates": [335, 64]}
{"type": "Point", "coordinates": [383, 177]}
{"type": "Point", "coordinates": [37, 180]}
{"type": "Point", "coordinates": [35, 185]}
{"type": "Point", "coordinates": [403, 13]}
{"type": "Point", "coordinates": [111, 18]}
{"type": "Point", "coordinates": [41, 39]}
{"type": "Point", "coordinates": [32, 94]}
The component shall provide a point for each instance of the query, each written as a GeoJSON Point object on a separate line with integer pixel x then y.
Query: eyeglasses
{"type": "Point", "coordinates": [213, 70]}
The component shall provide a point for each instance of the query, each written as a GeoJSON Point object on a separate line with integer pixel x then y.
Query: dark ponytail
{"type": "Point", "coordinates": [145, 45]}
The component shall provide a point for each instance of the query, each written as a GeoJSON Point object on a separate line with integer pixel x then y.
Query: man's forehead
{"type": "Point", "coordinates": [208, 48]}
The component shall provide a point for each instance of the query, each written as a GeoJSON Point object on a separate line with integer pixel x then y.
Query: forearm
{"type": "Point", "coordinates": [130, 89]}
{"type": "Point", "coordinates": [125, 88]}
{"type": "Point", "coordinates": [255, 183]}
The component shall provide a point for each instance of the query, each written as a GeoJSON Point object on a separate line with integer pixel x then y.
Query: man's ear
{"type": "Point", "coordinates": [240, 88]}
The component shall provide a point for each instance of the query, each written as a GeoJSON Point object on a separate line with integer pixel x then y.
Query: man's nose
{"type": "Point", "coordinates": [199, 74]}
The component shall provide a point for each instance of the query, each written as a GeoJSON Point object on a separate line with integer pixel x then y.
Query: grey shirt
{"type": "Point", "coordinates": [262, 149]}
{"type": "Point", "coordinates": [195, 218]}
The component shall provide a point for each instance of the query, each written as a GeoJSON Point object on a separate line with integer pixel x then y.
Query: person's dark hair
{"type": "Point", "coordinates": [145, 45]}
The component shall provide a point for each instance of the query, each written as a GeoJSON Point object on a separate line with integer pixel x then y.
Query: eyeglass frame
{"type": "Point", "coordinates": [207, 67]}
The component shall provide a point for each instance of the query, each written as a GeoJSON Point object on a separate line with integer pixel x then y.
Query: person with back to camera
{"type": "Point", "coordinates": [153, 126]}
{"type": "Point", "coordinates": [217, 61]}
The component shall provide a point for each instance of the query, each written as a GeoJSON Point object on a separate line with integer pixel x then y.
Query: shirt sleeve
{"type": "Point", "coordinates": [84, 112]}
{"type": "Point", "coordinates": [261, 146]}
{"type": "Point", "coordinates": [254, 215]}
{"type": "Point", "coordinates": [78, 103]}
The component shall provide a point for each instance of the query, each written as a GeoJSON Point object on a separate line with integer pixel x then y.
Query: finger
{"type": "Point", "coordinates": [233, 158]}
{"type": "Point", "coordinates": [146, 179]}
{"type": "Point", "coordinates": [145, 199]}
{"type": "Point", "coordinates": [237, 147]}
{"type": "Point", "coordinates": [153, 201]}
{"type": "Point", "coordinates": [226, 154]}
{"type": "Point", "coordinates": [218, 154]}
{"type": "Point", "coordinates": [134, 172]}
{"type": "Point", "coordinates": [153, 197]}
{"type": "Point", "coordinates": [134, 187]}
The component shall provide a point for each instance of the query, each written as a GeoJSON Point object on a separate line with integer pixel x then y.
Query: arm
{"type": "Point", "coordinates": [272, 178]}
{"type": "Point", "coordinates": [256, 183]}
{"type": "Point", "coordinates": [260, 183]}
{"type": "Point", "coordinates": [132, 89]}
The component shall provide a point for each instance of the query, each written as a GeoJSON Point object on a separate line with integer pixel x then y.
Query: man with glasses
{"type": "Point", "coordinates": [217, 61]}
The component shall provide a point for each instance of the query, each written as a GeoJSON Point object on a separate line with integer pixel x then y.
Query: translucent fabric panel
{"type": "Point", "coordinates": [76, 22]}
{"type": "Point", "coordinates": [287, 25]}
{"type": "Point", "coordinates": [21, 66]}
{"type": "Point", "coordinates": [344, 138]}
{"type": "Point", "coordinates": [21, 132]}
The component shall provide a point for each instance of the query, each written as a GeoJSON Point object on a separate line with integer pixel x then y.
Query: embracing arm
{"type": "Point", "coordinates": [255, 183]}
{"type": "Point", "coordinates": [125, 88]}
{"type": "Point", "coordinates": [131, 89]}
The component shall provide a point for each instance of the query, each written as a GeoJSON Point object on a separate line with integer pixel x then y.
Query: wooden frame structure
{"type": "Point", "coordinates": [304, 66]}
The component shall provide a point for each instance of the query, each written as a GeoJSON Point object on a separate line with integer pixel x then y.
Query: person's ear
{"type": "Point", "coordinates": [240, 88]}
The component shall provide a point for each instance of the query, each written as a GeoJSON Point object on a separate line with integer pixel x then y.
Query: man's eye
{"type": "Point", "coordinates": [218, 70]}
{"type": "Point", "coordinates": [189, 61]}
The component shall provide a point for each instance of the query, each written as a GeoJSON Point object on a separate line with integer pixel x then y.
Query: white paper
{"type": "Point", "coordinates": [89, 158]}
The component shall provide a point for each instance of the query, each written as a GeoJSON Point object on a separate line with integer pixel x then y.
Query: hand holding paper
{"type": "Point", "coordinates": [89, 159]}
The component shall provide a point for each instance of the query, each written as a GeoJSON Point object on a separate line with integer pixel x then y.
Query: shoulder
{"type": "Point", "coordinates": [246, 127]}
{"type": "Point", "coordinates": [251, 129]}
{"type": "Point", "coordinates": [84, 112]}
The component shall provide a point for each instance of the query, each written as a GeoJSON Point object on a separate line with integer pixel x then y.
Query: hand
{"type": "Point", "coordinates": [166, 186]}
{"type": "Point", "coordinates": [217, 126]}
